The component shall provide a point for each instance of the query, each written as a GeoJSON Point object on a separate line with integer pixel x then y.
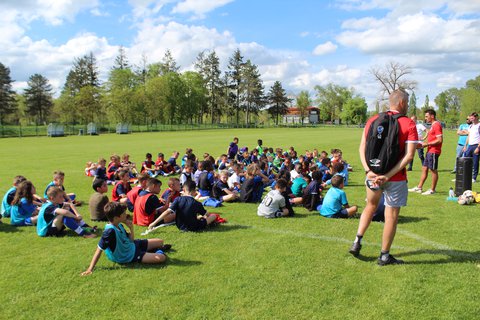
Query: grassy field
{"type": "Point", "coordinates": [249, 268]}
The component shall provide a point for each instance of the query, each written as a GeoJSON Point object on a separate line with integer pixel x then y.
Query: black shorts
{"type": "Point", "coordinates": [141, 246]}
{"type": "Point", "coordinates": [343, 214]}
{"type": "Point", "coordinates": [431, 161]}
{"type": "Point", "coordinates": [52, 231]}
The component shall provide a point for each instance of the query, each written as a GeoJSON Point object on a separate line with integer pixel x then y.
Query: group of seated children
{"type": "Point", "coordinates": [49, 214]}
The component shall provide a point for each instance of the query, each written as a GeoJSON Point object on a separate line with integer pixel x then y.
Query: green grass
{"type": "Point", "coordinates": [251, 267]}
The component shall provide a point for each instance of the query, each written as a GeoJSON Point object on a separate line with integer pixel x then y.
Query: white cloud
{"type": "Point", "coordinates": [199, 7]}
{"type": "Point", "coordinates": [51, 11]}
{"type": "Point", "coordinates": [325, 48]}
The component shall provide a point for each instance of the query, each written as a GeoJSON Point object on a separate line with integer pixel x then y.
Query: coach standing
{"type": "Point", "coordinates": [473, 143]}
{"type": "Point", "coordinates": [393, 184]}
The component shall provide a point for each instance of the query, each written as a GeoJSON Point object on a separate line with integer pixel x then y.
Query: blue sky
{"type": "Point", "coordinates": [301, 43]}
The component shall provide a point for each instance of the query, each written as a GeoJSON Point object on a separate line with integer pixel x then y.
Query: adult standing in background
{"type": "Point", "coordinates": [421, 131]}
{"type": "Point", "coordinates": [434, 149]}
{"type": "Point", "coordinates": [392, 184]}
{"type": "Point", "coordinates": [462, 133]}
{"type": "Point", "coordinates": [473, 141]}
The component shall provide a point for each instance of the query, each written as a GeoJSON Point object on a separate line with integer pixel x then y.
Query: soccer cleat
{"type": "Point", "coordinates": [428, 192]}
{"type": "Point", "coordinates": [355, 249]}
{"type": "Point", "coordinates": [165, 247]}
{"type": "Point", "coordinates": [416, 189]}
{"type": "Point", "coordinates": [389, 260]}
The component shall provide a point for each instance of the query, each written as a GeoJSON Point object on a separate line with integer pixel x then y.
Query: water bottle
{"type": "Point", "coordinates": [451, 193]}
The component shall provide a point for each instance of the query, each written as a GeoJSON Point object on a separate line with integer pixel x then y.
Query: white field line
{"type": "Point", "coordinates": [445, 249]}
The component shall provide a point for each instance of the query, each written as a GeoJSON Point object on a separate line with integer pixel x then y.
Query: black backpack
{"type": "Point", "coordinates": [382, 149]}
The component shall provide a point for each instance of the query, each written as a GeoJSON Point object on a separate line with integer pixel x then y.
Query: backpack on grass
{"type": "Point", "coordinates": [382, 149]}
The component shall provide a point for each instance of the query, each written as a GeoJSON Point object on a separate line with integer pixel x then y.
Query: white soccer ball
{"type": "Point", "coordinates": [468, 195]}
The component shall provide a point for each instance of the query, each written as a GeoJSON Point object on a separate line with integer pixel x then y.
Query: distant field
{"type": "Point", "coordinates": [296, 268]}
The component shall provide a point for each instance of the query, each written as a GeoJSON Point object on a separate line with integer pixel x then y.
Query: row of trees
{"type": "Point", "coordinates": [159, 93]}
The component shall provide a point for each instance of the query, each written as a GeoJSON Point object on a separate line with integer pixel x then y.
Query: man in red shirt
{"type": "Point", "coordinates": [392, 184]}
{"type": "Point", "coordinates": [434, 149]}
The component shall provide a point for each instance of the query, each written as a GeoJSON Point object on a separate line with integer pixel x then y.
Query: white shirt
{"type": "Point", "coordinates": [474, 134]}
{"type": "Point", "coordinates": [421, 131]}
{"type": "Point", "coordinates": [232, 180]}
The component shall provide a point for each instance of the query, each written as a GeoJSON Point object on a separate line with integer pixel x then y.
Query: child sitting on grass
{"type": "Point", "coordinates": [335, 204]}
{"type": "Point", "coordinates": [98, 200]}
{"type": "Point", "coordinates": [221, 191]}
{"type": "Point", "coordinates": [120, 246]}
{"type": "Point", "coordinates": [58, 180]}
{"type": "Point", "coordinates": [189, 214]}
{"type": "Point", "coordinates": [24, 205]}
{"type": "Point", "coordinates": [55, 214]}
{"type": "Point", "coordinates": [273, 205]}
{"type": "Point", "coordinates": [9, 195]}
{"type": "Point", "coordinates": [122, 187]}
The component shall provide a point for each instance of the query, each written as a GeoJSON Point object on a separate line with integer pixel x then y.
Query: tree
{"type": "Point", "coordinates": [330, 100]}
{"type": "Point", "coordinates": [278, 100]}
{"type": "Point", "coordinates": [8, 104]}
{"type": "Point", "coordinates": [426, 104]}
{"type": "Point", "coordinates": [196, 95]}
{"type": "Point", "coordinates": [121, 87]}
{"type": "Point", "coordinates": [393, 76]}
{"type": "Point", "coordinates": [208, 65]}
{"type": "Point", "coordinates": [81, 107]}
{"type": "Point", "coordinates": [121, 61]}
{"type": "Point", "coordinates": [355, 110]}
{"type": "Point", "coordinates": [412, 105]}
{"type": "Point", "coordinates": [234, 83]}
{"type": "Point", "coordinates": [303, 102]}
{"type": "Point", "coordinates": [38, 98]}
{"type": "Point", "coordinates": [253, 92]}
{"type": "Point", "coordinates": [168, 63]}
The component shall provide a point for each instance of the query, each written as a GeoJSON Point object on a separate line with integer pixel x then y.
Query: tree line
{"type": "Point", "coordinates": [158, 93]}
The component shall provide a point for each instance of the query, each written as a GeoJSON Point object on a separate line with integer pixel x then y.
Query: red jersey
{"type": "Point", "coordinates": [132, 195]}
{"type": "Point", "coordinates": [407, 134]}
{"type": "Point", "coordinates": [435, 132]}
{"type": "Point", "coordinates": [140, 215]}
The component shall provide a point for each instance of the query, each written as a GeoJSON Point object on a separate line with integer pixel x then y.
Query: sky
{"type": "Point", "coordinates": [300, 43]}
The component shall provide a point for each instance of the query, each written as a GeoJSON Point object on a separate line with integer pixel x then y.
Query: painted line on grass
{"type": "Point", "coordinates": [423, 240]}
{"type": "Point", "coordinates": [445, 250]}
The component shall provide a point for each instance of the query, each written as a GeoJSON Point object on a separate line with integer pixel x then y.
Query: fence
{"type": "Point", "coordinates": [69, 129]}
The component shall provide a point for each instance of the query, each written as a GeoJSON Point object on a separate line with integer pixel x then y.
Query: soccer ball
{"type": "Point", "coordinates": [466, 198]}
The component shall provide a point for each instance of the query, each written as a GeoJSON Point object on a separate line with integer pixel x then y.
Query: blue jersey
{"type": "Point", "coordinates": [6, 202]}
{"type": "Point", "coordinates": [120, 250]}
{"type": "Point", "coordinates": [45, 218]}
{"type": "Point", "coordinates": [22, 211]}
{"type": "Point", "coordinates": [51, 184]}
{"type": "Point", "coordinates": [333, 202]}
{"type": "Point", "coordinates": [463, 139]}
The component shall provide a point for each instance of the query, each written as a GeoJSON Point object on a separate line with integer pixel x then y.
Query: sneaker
{"type": "Point", "coordinates": [355, 249]}
{"type": "Point", "coordinates": [389, 260]}
{"type": "Point", "coordinates": [416, 189]}
{"type": "Point", "coordinates": [428, 192]}
{"type": "Point", "coordinates": [165, 247]}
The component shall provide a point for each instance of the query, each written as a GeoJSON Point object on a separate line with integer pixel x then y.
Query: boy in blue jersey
{"type": "Point", "coordinates": [55, 214]}
{"type": "Point", "coordinates": [9, 195]}
{"type": "Point", "coordinates": [58, 180]}
{"type": "Point", "coordinates": [120, 246]}
{"type": "Point", "coordinates": [335, 204]}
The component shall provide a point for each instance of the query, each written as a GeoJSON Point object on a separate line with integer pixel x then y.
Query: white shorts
{"type": "Point", "coordinates": [395, 192]}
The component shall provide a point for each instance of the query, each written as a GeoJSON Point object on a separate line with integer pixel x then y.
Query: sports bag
{"type": "Point", "coordinates": [382, 149]}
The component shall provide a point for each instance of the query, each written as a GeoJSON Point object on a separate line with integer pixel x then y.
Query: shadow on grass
{"type": "Point", "coordinates": [451, 256]}
{"type": "Point", "coordinates": [8, 228]}
{"type": "Point", "coordinates": [406, 219]}
{"type": "Point", "coordinates": [170, 261]}
{"type": "Point", "coordinates": [225, 227]}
